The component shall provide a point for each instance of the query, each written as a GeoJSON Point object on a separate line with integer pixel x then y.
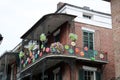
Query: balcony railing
{"type": "Point", "coordinates": [29, 56]}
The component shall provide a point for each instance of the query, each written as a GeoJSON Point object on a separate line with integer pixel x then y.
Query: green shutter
{"type": "Point", "coordinates": [98, 75]}
{"type": "Point", "coordinates": [81, 74]}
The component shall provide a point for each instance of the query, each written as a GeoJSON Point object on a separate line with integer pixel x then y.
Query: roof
{"type": "Point", "coordinates": [83, 9]}
{"type": "Point", "coordinates": [52, 20]}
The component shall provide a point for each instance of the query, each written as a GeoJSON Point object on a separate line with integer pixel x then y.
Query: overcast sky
{"type": "Point", "coordinates": [17, 16]}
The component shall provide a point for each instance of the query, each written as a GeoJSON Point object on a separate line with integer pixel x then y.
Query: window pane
{"type": "Point", "coordinates": [85, 43]}
{"type": "Point", "coordinates": [85, 33]}
{"type": "Point", "coordinates": [89, 75]}
{"type": "Point", "coordinates": [91, 45]}
{"type": "Point", "coordinates": [85, 38]}
{"type": "Point", "coordinates": [91, 36]}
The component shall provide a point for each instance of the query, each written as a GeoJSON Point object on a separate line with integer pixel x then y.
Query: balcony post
{"type": "Point", "coordinates": [72, 68]}
{"type": "Point", "coordinates": [43, 70]}
{"type": "Point", "coordinates": [20, 61]}
{"type": "Point", "coordinates": [31, 76]}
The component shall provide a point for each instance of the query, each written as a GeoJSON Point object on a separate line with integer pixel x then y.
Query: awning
{"type": "Point", "coordinates": [49, 22]}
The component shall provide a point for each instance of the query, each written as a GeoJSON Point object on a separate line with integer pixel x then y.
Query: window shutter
{"type": "Point", "coordinates": [81, 74]}
{"type": "Point", "coordinates": [98, 75]}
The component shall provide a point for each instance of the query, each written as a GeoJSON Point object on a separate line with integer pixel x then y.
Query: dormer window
{"type": "Point", "coordinates": [87, 16]}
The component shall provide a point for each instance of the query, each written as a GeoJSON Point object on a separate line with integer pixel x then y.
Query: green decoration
{"type": "Point", "coordinates": [92, 59]}
{"type": "Point", "coordinates": [24, 65]}
{"type": "Point", "coordinates": [31, 47]}
{"type": "Point", "coordinates": [71, 51]}
{"type": "Point", "coordinates": [66, 47]}
{"type": "Point", "coordinates": [42, 46]}
{"type": "Point", "coordinates": [21, 54]}
{"type": "Point", "coordinates": [33, 60]}
{"type": "Point", "coordinates": [42, 37]}
{"type": "Point", "coordinates": [73, 36]}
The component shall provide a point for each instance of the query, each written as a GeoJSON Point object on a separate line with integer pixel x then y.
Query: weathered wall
{"type": "Point", "coordinates": [115, 8]}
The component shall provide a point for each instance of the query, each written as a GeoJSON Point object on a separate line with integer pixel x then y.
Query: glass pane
{"type": "Point", "coordinates": [91, 45]}
{"type": "Point", "coordinates": [86, 43]}
{"type": "Point", "coordinates": [91, 36]}
{"type": "Point", "coordinates": [85, 33]}
{"type": "Point", "coordinates": [85, 38]}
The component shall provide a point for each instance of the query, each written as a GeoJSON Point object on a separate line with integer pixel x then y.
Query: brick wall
{"type": "Point", "coordinates": [103, 41]}
{"type": "Point", "coordinates": [115, 6]}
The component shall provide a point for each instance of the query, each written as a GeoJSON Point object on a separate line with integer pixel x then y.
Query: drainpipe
{"type": "Point", "coordinates": [5, 68]}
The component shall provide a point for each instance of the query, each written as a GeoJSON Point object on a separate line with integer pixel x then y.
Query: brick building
{"type": "Point", "coordinates": [90, 57]}
{"type": "Point", "coordinates": [115, 5]}
{"type": "Point", "coordinates": [74, 43]}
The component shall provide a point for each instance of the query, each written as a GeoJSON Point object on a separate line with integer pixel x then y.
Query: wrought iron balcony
{"type": "Point", "coordinates": [58, 50]}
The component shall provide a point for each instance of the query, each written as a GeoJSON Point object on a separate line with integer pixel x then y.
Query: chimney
{"type": "Point", "coordinates": [86, 7]}
{"type": "Point", "coordinates": [59, 5]}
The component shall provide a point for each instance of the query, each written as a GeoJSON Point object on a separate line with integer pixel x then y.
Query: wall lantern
{"type": "Point", "coordinates": [1, 38]}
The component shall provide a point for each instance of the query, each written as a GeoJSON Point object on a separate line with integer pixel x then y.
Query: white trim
{"type": "Point", "coordinates": [98, 19]}
{"type": "Point", "coordinates": [88, 29]}
{"type": "Point", "coordinates": [89, 68]}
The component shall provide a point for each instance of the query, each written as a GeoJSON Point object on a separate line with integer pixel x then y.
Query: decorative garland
{"type": "Point", "coordinates": [57, 48]}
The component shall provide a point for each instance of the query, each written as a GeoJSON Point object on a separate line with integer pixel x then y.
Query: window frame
{"type": "Point", "coordinates": [91, 69]}
{"type": "Point", "coordinates": [87, 16]}
{"type": "Point", "coordinates": [88, 41]}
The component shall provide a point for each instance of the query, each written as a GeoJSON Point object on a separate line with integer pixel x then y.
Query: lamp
{"type": "Point", "coordinates": [1, 38]}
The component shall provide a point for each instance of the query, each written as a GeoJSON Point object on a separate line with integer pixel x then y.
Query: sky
{"type": "Point", "coordinates": [17, 16]}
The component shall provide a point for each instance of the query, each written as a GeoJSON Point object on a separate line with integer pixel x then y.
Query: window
{"type": "Point", "coordinates": [57, 36]}
{"type": "Point", "coordinates": [88, 39]}
{"type": "Point", "coordinates": [89, 73]}
{"type": "Point", "coordinates": [87, 16]}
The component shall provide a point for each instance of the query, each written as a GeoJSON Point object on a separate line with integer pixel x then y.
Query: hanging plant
{"type": "Point", "coordinates": [73, 36]}
{"type": "Point", "coordinates": [57, 46]}
{"type": "Point", "coordinates": [42, 37]}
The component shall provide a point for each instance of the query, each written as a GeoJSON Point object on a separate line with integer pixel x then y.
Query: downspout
{"type": "Point", "coordinates": [6, 70]}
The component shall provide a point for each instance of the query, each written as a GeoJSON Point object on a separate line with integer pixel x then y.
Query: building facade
{"type": "Point", "coordinates": [74, 43]}
{"type": "Point", "coordinates": [115, 5]}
